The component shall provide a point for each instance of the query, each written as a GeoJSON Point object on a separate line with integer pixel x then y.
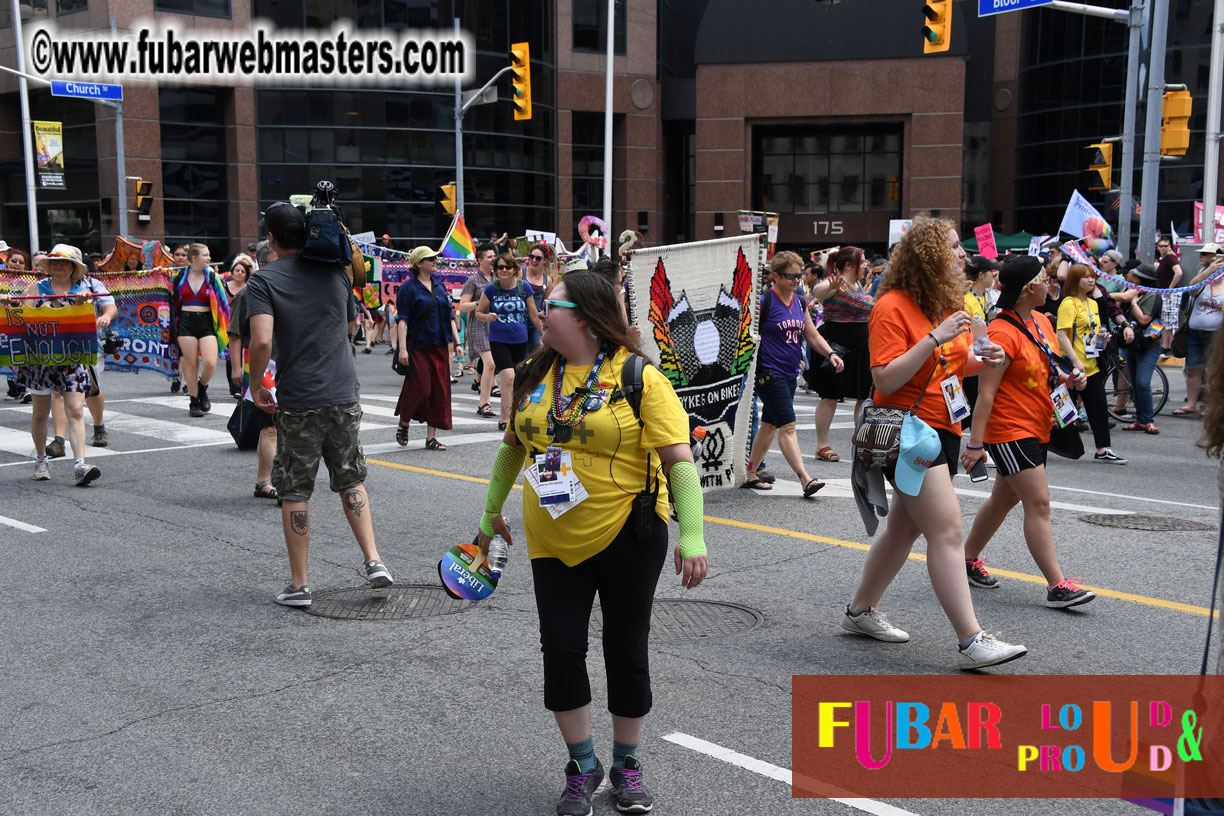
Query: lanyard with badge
{"type": "Point", "coordinates": [555, 482]}
{"type": "Point", "coordinates": [1064, 409]}
{"type": "Point", "coordinates": [1092, 348]}
{"type": "Point", "coordinates": [950, 385]}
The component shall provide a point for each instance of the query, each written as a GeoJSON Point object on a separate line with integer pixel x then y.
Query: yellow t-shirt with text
{"type": "Point", "coordinates": [609, 451]}
{"type": "Point", "coordinates": [1080, 321]}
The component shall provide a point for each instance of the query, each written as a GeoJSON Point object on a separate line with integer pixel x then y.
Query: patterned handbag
{"type": "Point", "coordinates": [877, 439]}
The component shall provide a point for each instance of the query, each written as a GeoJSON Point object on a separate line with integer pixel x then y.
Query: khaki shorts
{"type": "Point", "coordinates": [303, 437]}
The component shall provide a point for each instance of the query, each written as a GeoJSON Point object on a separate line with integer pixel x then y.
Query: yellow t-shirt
{"type": "Point", "coordinates": [974, 306]}
{"type": "Point", "coordinates": [609, 451]}
{"type": "Point", "coordinates": [1080, 321]}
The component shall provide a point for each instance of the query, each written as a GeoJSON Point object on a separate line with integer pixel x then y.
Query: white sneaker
{"type": "Point", "coordinates": [42, 471]}
{"type": "Point", "coordinates": [86, 473]}
{"type": "Point", "coordinates": [873, 624]}
{"type": "Point", "coordinates": [987, 650]}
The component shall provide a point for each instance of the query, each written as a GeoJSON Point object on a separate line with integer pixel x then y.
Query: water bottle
{"type": "Point", "coordinates": [499, 553]}
{"type": "Point", "coordinates": [699, 435]}
{"type": "Point", "coordinates": [980, 336]}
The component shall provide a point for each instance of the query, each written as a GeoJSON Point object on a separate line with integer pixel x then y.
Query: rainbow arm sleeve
{"type": "Point", "coordinates": [685, 487]}
{"type": "Point", "coordinates": [506, 467]}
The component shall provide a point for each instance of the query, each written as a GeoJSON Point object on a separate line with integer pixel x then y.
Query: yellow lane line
{"type": "Point", "coordinates": [853, 545]}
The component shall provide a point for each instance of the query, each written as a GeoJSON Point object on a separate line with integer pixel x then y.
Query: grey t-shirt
{"type": "Point", "coordinates": [311, 306]}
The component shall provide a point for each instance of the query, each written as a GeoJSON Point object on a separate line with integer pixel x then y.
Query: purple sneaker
{"type": "Point", "coordinates": [579, 789]}
{"type": "Point", "coordinates": [628, 792]}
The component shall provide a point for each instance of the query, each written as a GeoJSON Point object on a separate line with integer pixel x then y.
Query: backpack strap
{"type": "Point", "coordinates": [632, 383]}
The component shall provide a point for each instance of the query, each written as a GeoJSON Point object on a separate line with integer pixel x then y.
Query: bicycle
{"type": "Point", "coordinates": [1119, 396]}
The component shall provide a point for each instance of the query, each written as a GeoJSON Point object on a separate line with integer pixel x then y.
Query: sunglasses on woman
{"type": "Point", "coordinates": [557, 304]}
{"type": "Point", "coordinates": [503, 266]}
{"type": "Point", "coordinates": [795, 276]}
{"type": "Point", "coordinates": [537, 258]}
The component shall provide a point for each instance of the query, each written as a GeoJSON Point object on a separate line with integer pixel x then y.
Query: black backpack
{"type": "Point", "coordinates": [326, 239]}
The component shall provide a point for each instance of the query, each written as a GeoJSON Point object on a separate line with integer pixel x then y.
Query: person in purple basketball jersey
{"type": "Point", "coordinates": [785, 326]}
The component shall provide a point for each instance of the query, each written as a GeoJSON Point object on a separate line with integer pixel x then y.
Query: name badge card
{"type": "Point", "coordinates": [1064, 409]}
{"type": "Point", "coordinates": [954, 396]}
{"type": "Point", "coordinates": [555, 475]}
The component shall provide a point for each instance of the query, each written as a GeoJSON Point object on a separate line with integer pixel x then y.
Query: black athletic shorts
{"type": "Point", "coordinates": [507, 355]}
{"type": "Point", "coordinates": [1013, 457]}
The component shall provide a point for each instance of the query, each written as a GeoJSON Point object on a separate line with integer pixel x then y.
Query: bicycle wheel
{"type": "Point", "coordinates": [1118, 398]}
{"type": "Point", "coordinates": [1160, 389]}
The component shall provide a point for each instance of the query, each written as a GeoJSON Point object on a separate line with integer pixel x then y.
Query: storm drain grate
{"type": "Point", "coordinates": [1150, 524]}
{"type": "Point", "coordinates": [391, 603]}
{"type": "Point", "coordinates": [676, 619]}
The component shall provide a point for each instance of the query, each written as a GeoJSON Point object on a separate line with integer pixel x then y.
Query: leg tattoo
{"type": "Point", "coordinates": [299, 521]}
{"type": "Point", "coordinates": [355, 501]}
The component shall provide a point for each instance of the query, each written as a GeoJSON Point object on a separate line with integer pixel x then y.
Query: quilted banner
{"type": "Point", "coordinates": [695, 305]}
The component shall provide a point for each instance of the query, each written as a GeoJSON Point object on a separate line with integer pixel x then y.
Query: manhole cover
{"type": "Point", "coordinates": [391, 603]}
{"type": "Point", "coordinates": [675, 619]}
{"type": "Point", "coordinates": [1150, 524]}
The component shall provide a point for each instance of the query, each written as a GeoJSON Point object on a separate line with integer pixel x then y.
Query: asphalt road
{"type": "Point", "coordinates": [147, 671]}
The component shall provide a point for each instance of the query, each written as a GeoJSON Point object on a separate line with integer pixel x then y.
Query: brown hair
{"type": "Point", "coordinates": [1075, 274]}
{"type": "Point", "coordinates": [507, 257]}
{"type": "Point", "coordinates": [784, 260]}
{"type": "Point", "coordinates": [851, 255]}
{"type": "Point", "coordinates": [923, 266]}
{"type": "Point", "coordinates": [597, 303]}
{"type": "Point", "coordinates": [1212, 440]}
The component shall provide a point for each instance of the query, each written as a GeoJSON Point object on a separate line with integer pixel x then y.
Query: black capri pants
{"type": "Point", "coordinates": [625, 575]}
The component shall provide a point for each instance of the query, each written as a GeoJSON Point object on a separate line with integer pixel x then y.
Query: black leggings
{"type": "Point", "coordinates": [625, 575]}
{"type": "Point", "coordinates": [1097, 409]}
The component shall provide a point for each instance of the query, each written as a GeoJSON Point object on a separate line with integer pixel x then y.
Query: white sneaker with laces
{"type": "Point", "coordinates": [987, 650]}
{"type": "Point", "coordinates": [42, 471]}
{"type": "Point", "coordinates": [86, 473]}
{"type": "Point", "coordinates": [873, 624]}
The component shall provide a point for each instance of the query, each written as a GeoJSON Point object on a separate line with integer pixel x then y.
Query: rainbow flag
{"type": "Point", "coordinates": [1154, 328]}
{"type": "Point", "coordinates": [49, 335]}
{"type": "Point", "coordinates": [458, 241]}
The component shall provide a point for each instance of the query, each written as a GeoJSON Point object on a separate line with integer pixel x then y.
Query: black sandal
{"type": "Point", "coordinates": [265, 490]}
{"type": "Point", "coordinates": [401, 435]}
{"type": "Point", "coordinates": [755, 482]}
{"type": "Point", "coordinates": [434, 445]}
{"type": "Point", "coordinates": [501, 426]}
{"type": "Point", "coordinates": [485, 410]}
{"type": "Point", "coordinates": [496, 392]}
{"type": "Point", "coordinates": [812, 487]}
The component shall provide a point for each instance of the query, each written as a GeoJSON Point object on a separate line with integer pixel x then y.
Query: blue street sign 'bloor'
{"type": "Point", "coordinates": [87, 90]}
{"type": "Point", "coordinates": [988, 7]}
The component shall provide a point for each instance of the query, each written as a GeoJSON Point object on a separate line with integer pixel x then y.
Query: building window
{"type": "Point", "coordinates": [588, 166]}
{"type": "Point", "coordinates": [195, 192]}
{"type": "Point", "coordinates": [201, 8]}
{"type": "Point", "coordinates": [590, 31]}
{"type": "Point", "coordinates": [827, 170]}
{"type": "Point", "coordinates": [69, 6]}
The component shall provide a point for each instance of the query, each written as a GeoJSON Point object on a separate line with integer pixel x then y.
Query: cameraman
{"type": "Point", "coordinates": [307, 307]}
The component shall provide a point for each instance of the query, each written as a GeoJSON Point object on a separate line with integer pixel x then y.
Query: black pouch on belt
{"type": "Point", "coordinates": [644, 513]}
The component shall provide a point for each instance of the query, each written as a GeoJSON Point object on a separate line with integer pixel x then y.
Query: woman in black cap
{"type": "Point", "coordinates": [1141, 308]}
{"type": "Point", "coordinates": [1012, 422]}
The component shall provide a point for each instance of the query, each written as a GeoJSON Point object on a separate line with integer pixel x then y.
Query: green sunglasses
{"type": "Point", "coordinates": [560, 304]}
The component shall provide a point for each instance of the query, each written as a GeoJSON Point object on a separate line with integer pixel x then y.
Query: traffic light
{"type": "Point", "coordinates": [144, 199]}
{"type": "Point", "coordinates": [520, 81]}
{"type": "Point", "coordinates": [1175, 125]}
{"type": "Point", "coordinates": [1102, 164]}
{"type": "Point", "coordinates": [448, 197]}
{"type": "Point", "coordinates": [937, 32]}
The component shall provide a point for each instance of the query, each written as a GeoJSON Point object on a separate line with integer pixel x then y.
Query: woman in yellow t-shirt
{"type": "Point", "coordinates": [1079, 323]}
{"type": "Point", "coordinates": [611, 538]}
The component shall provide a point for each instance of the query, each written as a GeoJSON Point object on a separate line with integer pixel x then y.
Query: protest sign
{"type": "Point", "coordinates": [986, 241]}
{"type": "Point", "coordinates": [46, 335]}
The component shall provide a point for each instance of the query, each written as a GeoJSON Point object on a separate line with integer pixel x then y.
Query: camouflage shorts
{"type": "Point", "coordinates": [303, 437]}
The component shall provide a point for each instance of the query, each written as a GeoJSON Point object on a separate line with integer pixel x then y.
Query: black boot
{"type": "Point", "coordinates": [196, 410]}
{"type": "Point", "coordinates": [205, 405]}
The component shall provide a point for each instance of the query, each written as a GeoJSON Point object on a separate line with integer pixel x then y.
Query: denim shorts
{"type": "Point", "coordinates": [1198, 347]}
{"type": "Point", "coordinates": [778, 399]}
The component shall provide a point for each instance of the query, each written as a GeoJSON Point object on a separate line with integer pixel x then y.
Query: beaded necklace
{"type": "Point", "coordinates": [568, 411]}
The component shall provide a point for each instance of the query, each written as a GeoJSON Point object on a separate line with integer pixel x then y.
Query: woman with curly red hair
{"type": "Point", "coordinates": [920, 354]}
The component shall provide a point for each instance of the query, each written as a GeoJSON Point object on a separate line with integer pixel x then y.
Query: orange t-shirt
{"type": "Point", "coordinates": [897, 325]}
{"type": "Point", "coordinates": [1022, 406]}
